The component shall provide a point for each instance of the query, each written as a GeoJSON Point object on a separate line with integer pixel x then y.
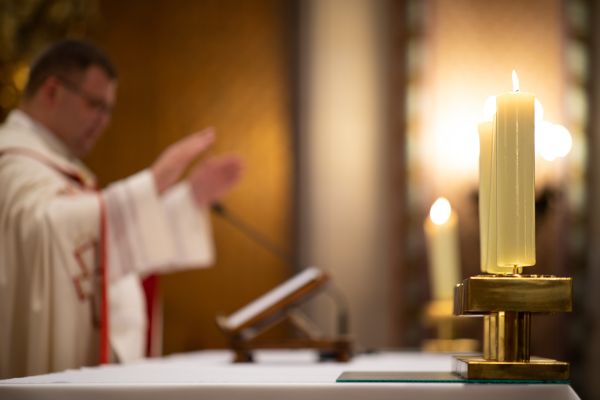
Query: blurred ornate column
{"type": "Point", "coordinates": [28, 27]}
{"type": "Point", "coordinates": [589, 332]}
{"type": "Point", "coordinates": [343, 215]}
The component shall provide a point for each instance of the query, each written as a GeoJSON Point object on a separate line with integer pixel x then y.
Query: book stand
{"type": "Point", "coordinates": [244, 327]}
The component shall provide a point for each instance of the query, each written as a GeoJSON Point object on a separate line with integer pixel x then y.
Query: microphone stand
{"type": "Point", "coordinates": [336, 295]}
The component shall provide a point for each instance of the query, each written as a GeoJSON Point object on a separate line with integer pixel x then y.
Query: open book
{"type": "Point", "coordinates": [289, 293]}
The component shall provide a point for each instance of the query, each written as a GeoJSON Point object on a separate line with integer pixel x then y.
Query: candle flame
{"type": "Point", "coordinates": [489, 108]}
{"type": "Point", "coordinates": [539, 111]}
{"type": "Point", "coordinates": [515, 80]}
{"type": "Point", "coordinates": [440, 211]}
{"type": "Point", "coordinates": [552, 141]}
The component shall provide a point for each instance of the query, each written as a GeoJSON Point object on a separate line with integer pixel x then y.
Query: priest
{"type": "Point", "coordinates": [71, 255]}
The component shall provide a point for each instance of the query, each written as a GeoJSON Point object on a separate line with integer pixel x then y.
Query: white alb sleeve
{"type": "Point", "coordinates": [190, 226]}
{"type": "Point", "coordinates": [149, 233]}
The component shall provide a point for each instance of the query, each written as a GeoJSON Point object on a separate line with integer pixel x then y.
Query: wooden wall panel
{"type": "Point", "coordinates": [129, 144]}
{"type": "Point", "coordinates": [186, 65]}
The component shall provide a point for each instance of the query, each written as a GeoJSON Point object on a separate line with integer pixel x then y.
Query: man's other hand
{"type": "Point", "coordinates": [211, 179]}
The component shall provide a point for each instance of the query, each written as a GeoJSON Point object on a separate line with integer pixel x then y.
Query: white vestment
{"type": "Point", "coordinates": [55, 230]}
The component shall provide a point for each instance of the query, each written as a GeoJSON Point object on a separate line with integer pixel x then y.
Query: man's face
{"type": "Point", "coordinates": [82, 109]}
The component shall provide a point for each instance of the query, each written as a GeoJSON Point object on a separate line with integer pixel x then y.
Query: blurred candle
{"type": "Point", "coordinates": [515, 174]}
{"type": "Point", "coordinates": [441, 231]}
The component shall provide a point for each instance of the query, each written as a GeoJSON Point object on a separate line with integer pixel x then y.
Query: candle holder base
{"type": "Point", "coordinates": [507, 303]}
{"type": "Point", "coordinates": [542, 369]}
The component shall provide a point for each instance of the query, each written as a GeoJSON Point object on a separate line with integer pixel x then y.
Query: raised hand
{"type": "Point", "coordinates": [211, 179]}
{"type": "Point", "coordinates": [177, 157]}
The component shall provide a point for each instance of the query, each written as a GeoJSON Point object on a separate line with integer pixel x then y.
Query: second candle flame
{"type": "Point", "coordinates": [515, 80]}
{"type": "Point", "coordinates": [440, 211]}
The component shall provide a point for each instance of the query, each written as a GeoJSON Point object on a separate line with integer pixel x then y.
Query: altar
{"type": "Point", "coordinates": [287, 375]}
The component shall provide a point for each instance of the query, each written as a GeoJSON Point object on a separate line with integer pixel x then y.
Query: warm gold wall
{"type": "Point", "coordinates": [185, 65]}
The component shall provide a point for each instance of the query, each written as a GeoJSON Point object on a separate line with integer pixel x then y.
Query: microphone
{"type": "Point", "coordinates": [251, 233]}
{"type": "Point", "coordinates": [337, 296]}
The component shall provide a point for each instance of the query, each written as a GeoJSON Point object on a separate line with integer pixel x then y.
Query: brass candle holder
{"type": "Point", "coordinates": [507, 302]}
{"type": "Point", "coordinates": [439, 315]}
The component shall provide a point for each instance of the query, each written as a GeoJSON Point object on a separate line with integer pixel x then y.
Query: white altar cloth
{"type": "Point", "coordinates": [282, 375]}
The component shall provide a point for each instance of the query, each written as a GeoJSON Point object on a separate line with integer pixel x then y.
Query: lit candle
{"type": "Point", "coordinates": [441, 231]}
{"type": "Point", "coordinates": [515, 174]}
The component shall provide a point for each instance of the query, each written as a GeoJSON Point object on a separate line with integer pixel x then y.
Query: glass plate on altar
{"type": "Point", "coordinates": [424, 377]}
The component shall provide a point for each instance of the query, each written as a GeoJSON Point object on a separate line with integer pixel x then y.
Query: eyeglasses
{"type": "Point", "coordinates": [92, 101]}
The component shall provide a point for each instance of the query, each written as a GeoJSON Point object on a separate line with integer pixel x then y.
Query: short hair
{"type": "Point", "coordinates": [65, 59]}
